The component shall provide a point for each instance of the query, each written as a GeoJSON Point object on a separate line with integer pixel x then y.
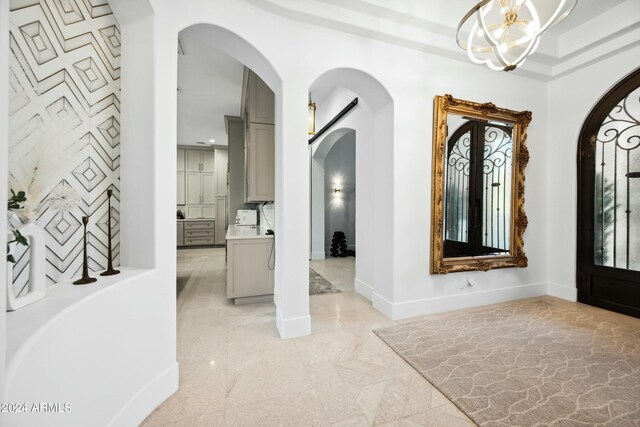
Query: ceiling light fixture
{"type": "Point", "coordinates": [503, 33]}
{"type": "Point", "coordinates": [311, 117]}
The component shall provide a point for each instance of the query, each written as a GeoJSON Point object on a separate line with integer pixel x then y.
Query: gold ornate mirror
{"type": "Point", "coordinates": [477, 204]}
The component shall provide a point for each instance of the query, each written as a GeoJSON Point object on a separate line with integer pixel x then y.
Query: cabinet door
{"type": "Point", "coordinates": [194, 188]}
{"type": "Point", "coordinates": [181, 160]}
{"type": "Point", "coordinates": [208, 188]}
{"type": "Point", "coordinates": [193, 211]}
{"type": "Point", "coordinates": [261, 163]}
{"type": "Point", "coordinates": [222, 157]}
{"type": "Point", "coordinates": [221, 220]}
{"type": "Point", "coordinates": [180, 234]}
{"type": "Point", "coordinates": [208, 162]}
{"type": "Point", "coordinates": [261, 101]}
{"type": "Point", "coordinates": [208, 211]}
{"type": "Point", "coordinates": [194, 160]}
{"type": "Point", "coordinates": [248, 273]}
{"type": "Point", "coordinates": [181, 193]}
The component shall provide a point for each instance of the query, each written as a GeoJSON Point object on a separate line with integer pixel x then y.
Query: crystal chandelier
{"type": "Point", "coordinates": [502, 33]}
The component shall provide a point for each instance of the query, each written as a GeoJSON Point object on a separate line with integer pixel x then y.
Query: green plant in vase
{"type": "Point", "coordinates": [16, 202]}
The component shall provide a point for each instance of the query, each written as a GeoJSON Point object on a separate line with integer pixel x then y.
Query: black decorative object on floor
{"type": "Point", "coordinates": [110, 270]}
{"type": "Point", "coordinates": [85, 279]}
{"type": "Point", "coordinates": [339, 245]}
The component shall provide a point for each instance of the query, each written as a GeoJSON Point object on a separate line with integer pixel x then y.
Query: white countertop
{"type": "Point", "coordinates": [247, 232]}
{"type": "Point", "coordinates": [196, 219]}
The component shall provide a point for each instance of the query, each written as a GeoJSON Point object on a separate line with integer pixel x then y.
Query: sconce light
{"type": "Point", "coordinates": [311, 117]}
{"type": "Point", "coordinates": [337, 190]}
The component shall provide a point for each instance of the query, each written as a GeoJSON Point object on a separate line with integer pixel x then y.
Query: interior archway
{"type": "Point", "coordinates": [372, 122]}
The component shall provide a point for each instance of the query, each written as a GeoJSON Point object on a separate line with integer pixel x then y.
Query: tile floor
{"type": "Point", "coordinates": [236, 371]}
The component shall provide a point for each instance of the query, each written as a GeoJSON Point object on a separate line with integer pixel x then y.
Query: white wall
{"type": "Point", "coordinates": [570, 100]}
{"type": "Point", "coordinates": [412, 79]}
{"type": "Point", "coordinates": [339, 208]}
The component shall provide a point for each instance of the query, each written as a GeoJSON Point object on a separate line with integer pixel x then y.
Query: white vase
{"type": "Point", "coordinates": [37, 287]}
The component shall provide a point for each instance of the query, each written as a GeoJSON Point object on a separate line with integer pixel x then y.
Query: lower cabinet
{"type": "Point", "coordinates": [248, 272]}
{"type": "Point", "coordinates": [198, 233]}
{"type": "Point", "coordinates": [180, 236]}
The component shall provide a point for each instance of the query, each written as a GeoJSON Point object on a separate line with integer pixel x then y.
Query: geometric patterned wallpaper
{"type": "Point", "coordinates": [64, 70]}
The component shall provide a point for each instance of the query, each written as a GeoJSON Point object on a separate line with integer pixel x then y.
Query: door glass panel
{"type": "Point", "coordinates": [617, 187]}
{"type": "Point", "coordinates": [456, 219]}
{"type": "Point", "coordinates": [496, 172]}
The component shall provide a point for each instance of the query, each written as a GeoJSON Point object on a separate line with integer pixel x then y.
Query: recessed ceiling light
{"type": "Point", "coordinates": [212, 140]}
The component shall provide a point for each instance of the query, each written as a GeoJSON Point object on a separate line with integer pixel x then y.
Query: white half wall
{"type": "Point", "coordinates": [4, 150]}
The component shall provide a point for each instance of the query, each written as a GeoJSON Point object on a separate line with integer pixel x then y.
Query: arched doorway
{"type": "Point", "coordinates": [372, 121]}
{"type": "Point", "coordinates": [608, 261]}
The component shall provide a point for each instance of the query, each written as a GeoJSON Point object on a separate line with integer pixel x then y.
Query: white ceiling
{"type": "Point", "coordinates": [210, 86]}
{"type": "Point", "coordinates": [210, 81]}
{"type": "Point", "coordinates": [594, 29]}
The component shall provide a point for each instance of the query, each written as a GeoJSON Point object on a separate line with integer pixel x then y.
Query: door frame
{"type": "Point", "coordinates": [585, 223]}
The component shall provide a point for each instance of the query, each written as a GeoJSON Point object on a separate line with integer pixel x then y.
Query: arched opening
{"type": "Point", "coordinates": [608, 206]}
{"type": "Point", "coordinates": [371, 123]}
{"type": "Point", "coordinates": [227, 101]}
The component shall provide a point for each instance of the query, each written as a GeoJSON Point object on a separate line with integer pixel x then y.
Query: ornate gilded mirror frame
{"type": "Point", "coordinates": [443, 106]}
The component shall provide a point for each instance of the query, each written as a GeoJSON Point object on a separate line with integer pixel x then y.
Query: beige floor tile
{"type": "Point", "coordinates": [298, 409]}
{"type": "Point", "coordinates": [235, 370]}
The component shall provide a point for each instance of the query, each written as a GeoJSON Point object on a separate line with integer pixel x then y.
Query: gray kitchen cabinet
{"type": "Point", "coordinates": [222, 167]}
{"type": "Point", "coordinates": [180, 234]}
{"type": "Point", "coordinates": [181, 160]}
{"type": "Point", "coordinates": [181, 186]}
{"type": "Point", "coordinates": [221, 220]}
{"type": "Point", "coordinates": [259, 140]}
{"type": "Point", "coordinates": [261, 101]}
{"type": "Point", "coordinates": [248, 274]}
{"type": "Point", "coordinates": [260, 163]}
{"type": "Point", "coordinates": [198, 233]}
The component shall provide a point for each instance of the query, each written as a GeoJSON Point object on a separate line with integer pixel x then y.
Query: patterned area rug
{"type": "Point", "coordinates": [529, 363]}
{"type": "Point", "coordinates": [319, 285]}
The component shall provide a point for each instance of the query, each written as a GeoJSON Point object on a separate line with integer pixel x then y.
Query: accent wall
{"type": "Point", "coordinates": [64, 127]}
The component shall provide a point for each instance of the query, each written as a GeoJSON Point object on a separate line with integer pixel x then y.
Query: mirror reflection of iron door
{"type": "Point", "coordinates": [478, 175]}
{"type": "Point", "coordinates": [609, 201]}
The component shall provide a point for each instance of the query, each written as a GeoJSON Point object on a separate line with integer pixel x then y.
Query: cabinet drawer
{"type": "Point", "coordinates": [198, 225]}
{"type": "Point", "coordinates": [198, 233]}
{"type": "Point", "coordinates": [195, 241]}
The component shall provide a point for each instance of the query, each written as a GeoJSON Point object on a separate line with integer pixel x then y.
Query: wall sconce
{"type": "Point", "coordinates": [311, 117]}
{"type": "Point", "coordinates": [337, 190]}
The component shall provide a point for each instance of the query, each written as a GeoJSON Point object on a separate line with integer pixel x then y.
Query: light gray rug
{"type": "Point", "coordinates": [529, 363]}
{"type": "Point", "coordinates": [319, 285]}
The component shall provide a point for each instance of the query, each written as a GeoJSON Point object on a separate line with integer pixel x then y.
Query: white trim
{"type": "Point", "coordinates": [563, 292]}
{"type": "Point", "coordinates": [293, 328]}
{"type": "Point", "coordinates": [148, 399]}
{"type": "Point", "coordinates": [317, 255]}
{"type": "Point", "coordinates": [383, 305]}
{"type": "Point", "coordinates": [403, 310]}
{"type": "Point", "coordinates": [363, 289]}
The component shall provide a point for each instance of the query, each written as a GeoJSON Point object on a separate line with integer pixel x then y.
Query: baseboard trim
{"type": "Point", "coordinates": [563, 292]}
{"type": "Point", "coordinates": [406, 309]}
{"type": "Point", "coordinates": [363, 289]}
{"type": "Point", "coordinates": [294, 327]}
{"type": "Point", "coordinates": [148, 399]}
{"type": "Point", "coordinates": [383, 305]}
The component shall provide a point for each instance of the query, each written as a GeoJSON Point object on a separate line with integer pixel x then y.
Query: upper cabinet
{"type": "Point", "coordinates": [200, 161]}
{"type": "Point", "coordinates": [259, 139]}
{"type": "Point", "coordinates": [198, 181]}
{"type": "Point", "coordinates": [260, 101]}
